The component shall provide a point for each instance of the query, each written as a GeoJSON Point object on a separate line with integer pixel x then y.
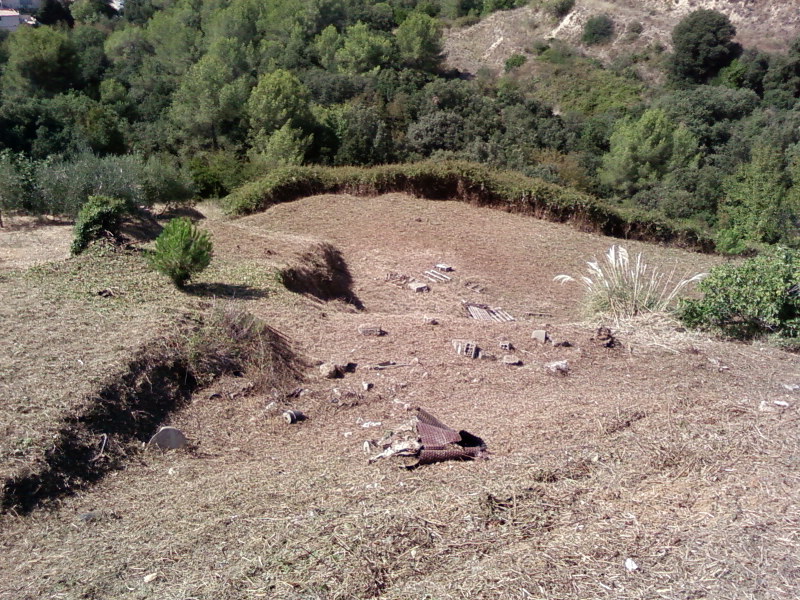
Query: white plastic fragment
{"type": "Point", "coordinates": [631, 565]}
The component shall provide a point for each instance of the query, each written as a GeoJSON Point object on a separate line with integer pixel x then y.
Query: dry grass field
{"type": "Point", "coordinates": [664, 467]}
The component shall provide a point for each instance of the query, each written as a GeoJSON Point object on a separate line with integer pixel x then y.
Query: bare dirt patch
{"type": "Point", "coordinates": [28, 241]}
{"type": "Point", "coordinates": [673, 450]}
{"type": "Point", "coordinates": [763, 24]}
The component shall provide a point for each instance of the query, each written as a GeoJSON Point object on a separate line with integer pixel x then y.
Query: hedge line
{"type": "Point", "coordinates": [468, 182]}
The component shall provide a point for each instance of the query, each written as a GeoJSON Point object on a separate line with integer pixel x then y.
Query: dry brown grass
{"type": "Point", "coordinates": [669, 450]}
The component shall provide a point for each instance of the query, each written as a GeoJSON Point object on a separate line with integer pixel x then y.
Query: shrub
{"type": "Point", "coordinates": [182, 250]}
{"type": "Point", "coordinates": [598, 30]}
{"type": "Point", "coordinates": [759, 296]}
{"type": "Point", "coordinates": [99, 216]}
{"type": "Point", "coordinates": [62, 186]}
{"type": "Point", "coordinates": [558, 8]}
{"type": "Point", "coordinates": [514, 62]}
{"type": "Point", "coordinates": [623, 288]}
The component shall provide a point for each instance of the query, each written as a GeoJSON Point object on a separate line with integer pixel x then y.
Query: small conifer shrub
{"type": "Point", "coordinates": [182, 250]}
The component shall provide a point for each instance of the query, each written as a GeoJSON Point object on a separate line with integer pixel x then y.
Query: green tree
{"type": "Point", "coordinates": [419, 42]}
{"type": "Point", "coordinates": [643, 151]}
{"type": "Point", "coordinates": [285, 147]}
{"type": "Point", "coordinates": [278, 98]}
{"type": "Point", "coordinates": [41, 62]}
{"type": "Point", "coordinates": [364, 50]}
{"type": "Point", "coordinates": [92, 12]}
{"type": "Point", "coordinates": [703, 44]}
{"type": "Point", "coordinates": [99, 216]}
{"type": "Point", "coordinates": [757, 206]}
{"type": "Point", "coordinates": [209, 102]}
{"type": "Point", "coordinates": [181, 251]}
{"type": "Point", "coordinates": [325, 46]}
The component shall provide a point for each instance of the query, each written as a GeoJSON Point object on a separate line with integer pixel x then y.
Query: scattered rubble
{"type": "Point", "coordinates": [293, 416]}
{"type": "Point", "coordinates": [371, 330]}
{"type": "Point", "coordinates": [426, 440]}
{"type": "Point", "coordinates": [483, 312]}
{"type": "Point", "coordinates": [603, 337]}
{"type": "Point", "coordinates": [541, 336]}
{"type": "Point", "coordinates": [331, 371]}
{"type": "Point", "coordinates": [467, 348]}
{"type": "Point", "coordinates": [559, 367]}
{"type": "Point", "coordinates": [168, 438]}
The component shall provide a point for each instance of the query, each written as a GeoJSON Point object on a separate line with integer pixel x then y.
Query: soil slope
{"type": "Point", "coordinates": [763, 24]}
{"type": "Point", "coordinates": [663, 467]}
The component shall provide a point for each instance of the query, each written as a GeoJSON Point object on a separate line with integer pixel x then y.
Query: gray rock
{"type": "Point", "coordinates": [559, 367]}
{"type": "Point", "coordinates": [510, 359]}
{"type": "Point", "coordinates": [372, 330]}
{"type": "Point", "coordinates": [540, 335]}
{"type": "Point", "coordinates": [331, 371]}
{"type": "Point", "coordinates": [168, 438]}
{"type": "Point", "coordinates": [418, 287]}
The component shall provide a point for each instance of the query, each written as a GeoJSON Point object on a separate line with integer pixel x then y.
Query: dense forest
{"type": "Point", "coordinates": [170, 100]}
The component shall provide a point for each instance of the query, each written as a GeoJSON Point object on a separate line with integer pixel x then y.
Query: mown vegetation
{"type": "Point", "coordinates": [174, 100]}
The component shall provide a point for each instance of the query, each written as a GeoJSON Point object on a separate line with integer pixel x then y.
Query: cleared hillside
{"type": "Point", "coordinates": [673, 450]}
{"type": "Point", "coordinates": [762, 24]}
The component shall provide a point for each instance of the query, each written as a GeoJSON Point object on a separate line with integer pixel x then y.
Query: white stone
{"type": "Point", "coordinates": [169, 438]}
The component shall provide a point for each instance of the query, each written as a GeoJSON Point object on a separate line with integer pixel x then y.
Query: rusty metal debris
{"type": "Point", "coordinates": [482, 312]}
{"type": "Point", "coordinates": [426, 440]}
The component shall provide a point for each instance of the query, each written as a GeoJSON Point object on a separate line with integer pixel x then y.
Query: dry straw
{"type": "Point", "coordinates": [623, 288]}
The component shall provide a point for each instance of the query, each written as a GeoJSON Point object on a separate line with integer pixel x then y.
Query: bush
{"type": "Point", "coordinates": [623, 288]}
{"type": "Point", "coordinates": [756, 297]}
{"type": "Point", "coordinates": [99, 216]}
{"type": "Point", "coordinates": [598, 30]}
{"type": "Point", "coordinates": [515, 61]}
{"type": "Point", "coordinates": [182, 250]}
{"type": "Point", "coordinates": [62, 186]}
{"type": "Point", "coordinates": [558, 8]}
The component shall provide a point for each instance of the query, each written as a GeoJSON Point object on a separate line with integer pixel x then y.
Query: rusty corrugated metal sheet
{"type": "Point", "coordinates": [433, 433]}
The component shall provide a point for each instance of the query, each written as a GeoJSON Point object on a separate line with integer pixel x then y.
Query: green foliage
{"type": "Point", "coordinates": [98, 217]}
{"type": "Point", "coordinates": [364, 50]}
{"type": "Point", "coordinates": [643, 151]}
{"type": "Point", "coordinates": [286, 146]}
{"type": "Point", "coordinates": [214, 174]}
{"type": "Point", "coordinates": [419, 42]}
{"type": "Point", "coordinates": [703, 45]}
{"type": "Point", "coordinates": [558, 8]}
{"type": "Point", "coordinates": [598, 29]}
{"type": "Point", "coordinates": [758, 296]}
{"type": "Point", "coordinates": [515, 61]}
{"type": "Point", "coordinates": [624, 288]}
{"type": "Point", "coordinates": [63, 186]}
{"type": "Point", "coordinates": [181, 251]}
{"type": "Point", "coordinates": [41, 62]}
{"type": "Point", "coordinates": [758, 207]}
{"type": "Point", "coordinates": [277, 99]}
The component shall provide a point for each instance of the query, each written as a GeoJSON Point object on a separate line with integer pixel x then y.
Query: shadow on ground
{"type": "Point", "coordinates": [225, 290]}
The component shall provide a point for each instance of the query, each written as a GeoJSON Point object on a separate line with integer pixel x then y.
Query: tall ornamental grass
{"type": "Point", "coordinates": [622, 288]}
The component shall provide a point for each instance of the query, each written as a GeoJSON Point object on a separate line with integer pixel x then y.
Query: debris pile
{"type": "Point", "coordinates": [426, 440]}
